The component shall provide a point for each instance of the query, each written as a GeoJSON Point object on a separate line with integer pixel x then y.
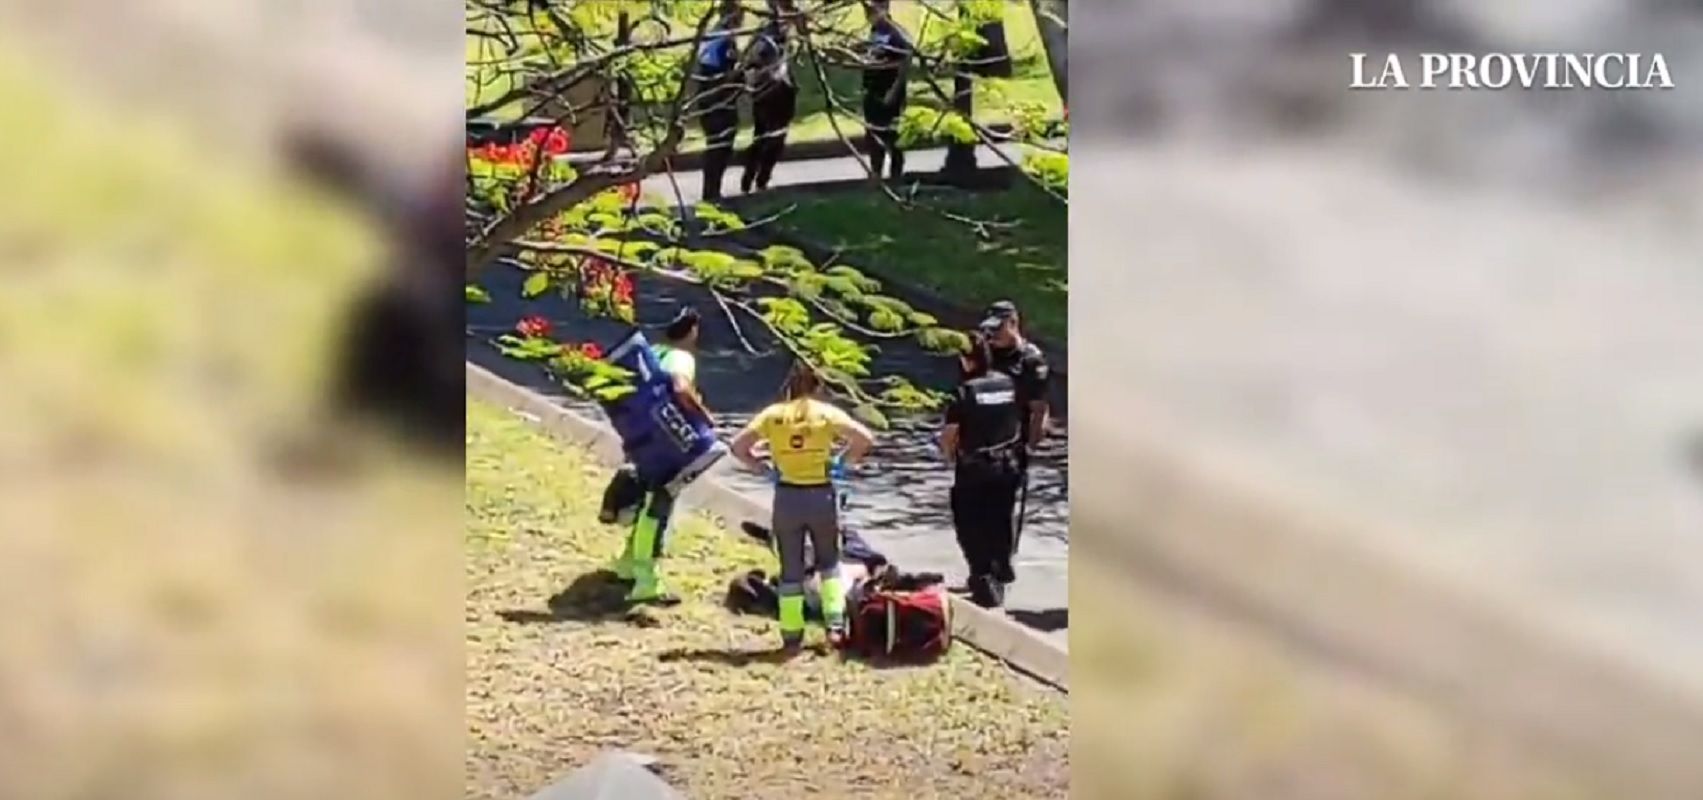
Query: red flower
{"type": "Point", "coordinates": [591, 350]}
{"type": "Point", "coordinates": [628, 191]}
{"type": "Point", "coordinates": [533, 326]}
{"type": "Point", "coordinates": [557, 142]}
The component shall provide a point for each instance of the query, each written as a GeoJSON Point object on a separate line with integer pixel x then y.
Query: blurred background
{"type": "Point", "coordinates": [218, 579]}
{"type": "Point", "coordinates": [1391, 484]}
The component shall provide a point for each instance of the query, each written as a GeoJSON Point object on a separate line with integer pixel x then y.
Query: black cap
{"type": "Point", "coordinates": [997, 314]}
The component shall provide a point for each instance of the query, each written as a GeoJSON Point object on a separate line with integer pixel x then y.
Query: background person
{"type": "Point", "coordinates": [647, 540]}
{"type": "Point", "coordinates": [1016, 356]}
{"type": "Point", "coordinates": [982, 440]}
{"type": "Point", "coordinates": [884, 92]}
{"type": "Point", "coordinates": [774, 98]}
{"type": "Point", "coordinates": [801, 433]}
{"type": "Point", "coordinates": [717, 100]}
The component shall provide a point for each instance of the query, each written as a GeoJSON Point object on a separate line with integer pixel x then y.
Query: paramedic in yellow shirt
{"type": "Point", "coordinates": [802, 433]}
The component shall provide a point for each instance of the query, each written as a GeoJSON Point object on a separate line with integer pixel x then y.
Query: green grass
{"type": "Point", "coordinates": [556, 674]}
{"type": "Point", "coordinates": [1031, 82]}
{"type": "Point", "coordinates": [1025, 262]}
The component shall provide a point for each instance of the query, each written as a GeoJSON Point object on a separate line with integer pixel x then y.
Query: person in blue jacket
{"type": "Point", "coordinates": [716, 102]}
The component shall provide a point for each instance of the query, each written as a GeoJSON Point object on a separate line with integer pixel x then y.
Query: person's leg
{"type": "Point", "coordinates": [966, 523]}
{"type": "Point", "coordinates": [895, 156]}
{"type": "Point", "coordinates": [1002, 516]}
{"type": "Point", "coordinates": [650, 533]}
{"type": "Point", "coordinates": [616, 498]}
{"type": "Point", "coordinates": [788, 529]}
{"type": "Point", "coordinates": [872, 136]}
{"type": "Point", "coordinates": [786, 108]}
{"type": "Point", "coordinates": [721, 125]}
{"type": "Point", "coordinates": [623, 565]}
{"type": "Point", "coordinates": [762, 116]}
{"type": "Point", "coordinates": [976, 501]}
{"type": "Point", "coordinates": [824, 526]}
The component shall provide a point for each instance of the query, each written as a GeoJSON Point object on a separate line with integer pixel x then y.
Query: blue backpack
{"type": "Point", "coordinates": [667, 445]}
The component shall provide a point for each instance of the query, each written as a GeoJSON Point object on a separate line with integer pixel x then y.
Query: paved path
{"type": "Point", "coordinates": [900, 500]}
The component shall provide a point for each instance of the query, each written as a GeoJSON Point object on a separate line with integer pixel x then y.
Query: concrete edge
{"type": "Point", "coordinates": [1026, 650]}
{"type": "Point", "coordinates": [1219, 533]}
{"type": "Point", "coordinates": [811, 149]}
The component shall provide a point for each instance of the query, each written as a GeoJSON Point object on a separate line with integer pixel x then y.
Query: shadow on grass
{"type": "Point", "coordinates": [739, 658]}
{"type": "Point", "coordinates": [597, 596]}
{"type": "Point", "coordinates": [1052, 619]}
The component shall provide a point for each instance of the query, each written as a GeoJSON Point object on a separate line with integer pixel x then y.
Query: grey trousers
{"type": "Point", "coordinates": [804, 513]}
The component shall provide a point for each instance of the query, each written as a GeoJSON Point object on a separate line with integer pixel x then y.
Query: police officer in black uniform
{"type": "Point", "coordinates": [1018, 358]}
{"type": "Point", "coordinates": [983, 440]}
{"type": "Point", "coordinates": [716, 103]}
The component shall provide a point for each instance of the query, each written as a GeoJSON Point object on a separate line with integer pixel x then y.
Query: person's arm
{"type": "Point", "coordinates": [949, 443]}
{"type": "Point", "coordinates": [1038, 376]}
{"type": "Point", "coordinates": [744, 441]}
{"type": "Point", "coordinates": [949, 429]}
{"type": "Point", "coordinates": [859, 441]}
{"type": "Point", "coordinates": [899, 53]}
{"type": "Point", "coordinates": [690, 398]}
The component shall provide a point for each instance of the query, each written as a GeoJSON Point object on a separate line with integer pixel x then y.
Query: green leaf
{"type": "Point", "coordinates": [746, 270]}
{"type": "Point", "coordinates": [886, 321]}
{"type": "Point", "coordinates": [476, 294]}
{"type": "Point", "coordinates": [782, 258]}
{"type": "Point", "coordinates": [871, 416]}
{"type": "Point", "coordinates": [943, 340]}
{"type": "Point", "coordinates": [535, 285]}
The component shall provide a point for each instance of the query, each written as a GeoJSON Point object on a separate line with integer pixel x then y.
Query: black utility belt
{"type": "Point", "coordinates": [1002, 452]}
{"type": "Point", "coordinates": [790, 485]}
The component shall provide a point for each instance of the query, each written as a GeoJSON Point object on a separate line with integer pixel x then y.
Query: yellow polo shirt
{"type": "Point", "coordinates": [801, 436]}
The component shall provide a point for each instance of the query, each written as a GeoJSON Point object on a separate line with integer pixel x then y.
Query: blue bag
{"type": "Point", "coordinates": [668, 445]}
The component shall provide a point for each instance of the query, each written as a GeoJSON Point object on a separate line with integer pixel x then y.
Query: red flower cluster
{"type": "Point", "coordinates": [599, 274]}
{"type": "Point", "coordinates": [591, 350]}
{"type": "Point", "coordinates": [551, 141]}
{"type": "Point", "coordinates": [534, 327]}
{"type": "Point", "coordinates": [629, 192]}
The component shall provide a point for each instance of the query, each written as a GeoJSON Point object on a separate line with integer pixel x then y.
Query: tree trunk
{"type": "Point", "coordinates": [1052, 18]}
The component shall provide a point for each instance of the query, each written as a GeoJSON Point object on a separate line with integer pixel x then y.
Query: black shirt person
{"type": "Point", "coordinates": [774, 97]}
{"type": "Point", "coordinates": [888, 53]}
{"type": "Point", "coordinates": [1018, 357]}
{"type": "Point", "coordinates": [983, 440]}
{"type": "Point", "coordinates": [716, 103]}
